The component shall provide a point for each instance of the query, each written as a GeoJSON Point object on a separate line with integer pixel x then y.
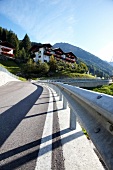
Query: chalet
{"type": "Point", "coordinates": [70, 57]}
{"type": "Point", "coordinates": [6, 49]}
{"type": "Point", "coordinates": [41, 51]}
{"type": "Point", "coordinates": [44, 51]}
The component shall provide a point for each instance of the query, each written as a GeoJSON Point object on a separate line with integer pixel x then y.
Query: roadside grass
{"type": "Point", "coordinates": [85, 133]}
{"type": "Point", "coordinates": [107, 89]}
{"type": "Point", "coordinates": [11, 66]}
{"type": "Point", "coordinates": [77, 75]}
{"type": "Point", "coordinates": [67, 74]}
{"type": "Point", "coordinates": [21, 78]}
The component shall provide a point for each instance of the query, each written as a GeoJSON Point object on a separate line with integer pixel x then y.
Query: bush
{"type": "Point", "coordinates": [105, 89]}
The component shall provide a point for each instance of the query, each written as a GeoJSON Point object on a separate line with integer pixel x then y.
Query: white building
{"type": "Point", "coordinates": [6, 49]}
{"type": "Point", "coordinates": [43, 52]}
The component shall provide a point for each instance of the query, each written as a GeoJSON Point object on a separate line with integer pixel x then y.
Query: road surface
{"type": "Point", "coordinates": [23, 109]}
{"type": "Point", "coordinates": [35, 134]}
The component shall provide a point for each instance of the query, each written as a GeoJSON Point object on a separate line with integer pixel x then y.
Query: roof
{"type": "Point", "coordinates": [6, 44]}
{"type": "Point", "coordinates": [70, 53]}
{"type": "Point", "coordinates": [35, 48]}
{"type": "Point", "coordinates": [47, 45]}
{"type": "Point", "coordinates": [58, 49]}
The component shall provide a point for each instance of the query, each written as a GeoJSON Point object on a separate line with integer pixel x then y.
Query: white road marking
{"type": "Point", "coordinates": [45, 153]}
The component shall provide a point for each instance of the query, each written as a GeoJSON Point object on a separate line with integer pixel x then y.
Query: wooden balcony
{"type": "Point", "coordinates": [5, 49]}
{"type": "Point", "coordinates": [7, 54]}
{"type": "Point", "coordinates": [48, 53]}
{"type": "Point", "coordinates": [70, 60]}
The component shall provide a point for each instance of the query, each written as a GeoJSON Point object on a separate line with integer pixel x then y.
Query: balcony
{"type": "Point", "coordinates": [47, 53]}
{"type": "Point", "coordinates": [7, 54]}
{"type": "Point", "coordinates": [58, 52]}
{"type": "Point", "coordinates": [70, 60]}
{"type": "Point", "coordinates": [56, 55]}
{"type": "Point", "coordinates": [5, 49]}
{"type": "Point", "coordinates": [70, 56]}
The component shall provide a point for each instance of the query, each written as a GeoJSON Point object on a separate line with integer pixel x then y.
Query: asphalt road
{"type": "Point", "coordinates": [23, 111]}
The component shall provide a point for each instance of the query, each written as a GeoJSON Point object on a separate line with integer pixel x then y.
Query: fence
{"type": "Point", "coordinates": [95, 112]}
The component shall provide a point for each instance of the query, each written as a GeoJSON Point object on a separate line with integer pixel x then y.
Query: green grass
{"type": "Point", "coordinates": [11, 66]}
{"type": "Point", "coordinates": [77, 75]}
{"type": "Point", "coordinates": [85, 132]}
{"type": "Point", "coordinates": [68, 74]}
{"type": "Point", "coordinates": [21, 78]}
{"type": "Point", "coordinates": [107, 89]}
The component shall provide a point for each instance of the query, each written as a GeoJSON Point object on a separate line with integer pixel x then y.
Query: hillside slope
{"type": "Point", "coordinates": [87, 57]}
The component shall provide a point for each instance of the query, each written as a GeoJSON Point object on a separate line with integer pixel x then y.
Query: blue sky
{"type": "Point", "coordinates": [87, 24]}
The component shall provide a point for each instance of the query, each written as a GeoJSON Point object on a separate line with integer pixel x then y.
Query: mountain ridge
{"type": "Point", "coordinates": [87, 57]}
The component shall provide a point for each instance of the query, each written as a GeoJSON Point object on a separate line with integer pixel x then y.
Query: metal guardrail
{"type": "Point", "coordinates": [6, 71]}
{"type": "Point", "coordinates": [94, 112]}
{"type": "Point", "coordinates": [82, 82]}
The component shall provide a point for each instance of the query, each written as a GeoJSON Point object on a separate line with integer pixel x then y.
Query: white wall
{"type": "Point", "coordinates": [39, 55]}
{"type": "Point", "coordinates": [63, 56]}
{"type": "Point", "coordinates": [43, 57]}
{"type": "Point", "coordinates": [10, 52]}
{"type": "Point", "coordinates": [47, 58]}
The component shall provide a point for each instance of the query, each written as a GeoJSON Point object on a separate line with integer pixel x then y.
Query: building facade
{"type": "Point", "coordinates": [43, 52]}
{"type": "Point", "coordinates": [6, 49]}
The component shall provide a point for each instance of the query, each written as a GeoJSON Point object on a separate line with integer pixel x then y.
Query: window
{"type": "Point", "coordinates": [45, 61]}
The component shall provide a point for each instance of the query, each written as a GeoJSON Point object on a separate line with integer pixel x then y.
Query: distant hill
{"type": "Point", "coordinates": [111, 63]}
{"type": "Point", "coordinates": [90, 59]}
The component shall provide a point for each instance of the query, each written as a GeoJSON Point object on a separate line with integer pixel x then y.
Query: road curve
{"type": "Point", "coordinates": [23, 111]}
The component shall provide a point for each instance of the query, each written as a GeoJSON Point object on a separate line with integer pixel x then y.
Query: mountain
{"type": "Point", "coordinates": [111, 63]}
{"type": "Point", "coordinates": [90, 59]}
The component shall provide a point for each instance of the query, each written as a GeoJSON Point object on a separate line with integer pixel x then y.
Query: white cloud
{"type": "Point", "coordinates": [51, 21]}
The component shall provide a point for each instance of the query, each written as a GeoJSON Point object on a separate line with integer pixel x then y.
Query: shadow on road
{"type": "Point", "coordinates": [33, 155]}
{"type": "Point", "coordinates": [10, 119]}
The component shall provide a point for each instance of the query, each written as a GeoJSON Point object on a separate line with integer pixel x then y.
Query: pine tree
{"type": "Point", "coordinates": [22, 54]}
{"type": "Point", "coordinates": [52, 64]}
{"type": "Point", "coordinates": [26, 43]}
{"type": "Point", "coordinates": [4, 35]}
{"type": "Point", "coordinates": [13, 39]}
{"type": "Point", "coordinates": [1, 33]}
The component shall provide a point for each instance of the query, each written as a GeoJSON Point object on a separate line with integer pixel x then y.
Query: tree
{"type": "Point", "coordinates": [1, 33]}
{"type": "Point", "coordinates": [22, 54]}
{"type": "Point", "coordinates": [26, 43]}
{"type": "Point", "coordinates": [52, 64]}
{"type": "Point", "coordinates": [44, 68]}
{"type": "Point", "coordinates": [4, 35]}
{"type": "Point", "coordinates": [29, 66]}
{"type": "Point", "coordinates": [82, 68]}
{"type": "Point", "coordinates": [13, 39]}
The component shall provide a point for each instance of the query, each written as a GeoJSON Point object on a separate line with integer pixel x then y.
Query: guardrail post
{"type": "Point", "coordinates": [64, 103]}
{"type": "Point", "coordinates": [72, 120]}
{"type": "Point", "coordinates": [57, 90]}
{"type": "Point", "coordinates": [60, 95]}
